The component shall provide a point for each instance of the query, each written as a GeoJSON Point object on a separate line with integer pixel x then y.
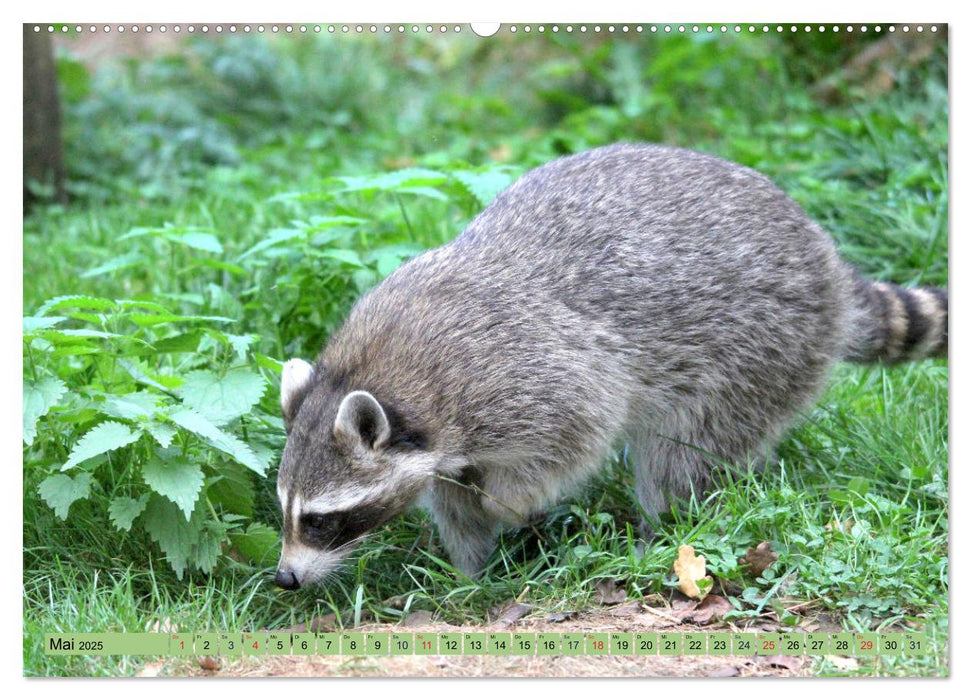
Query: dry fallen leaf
{"type": "Point", "coordinates": [209, 663]}
{"type": "Point", "coordinates": [418, 618]}
{"type": "Point", "coordinates": [511, 612]}
{"type": "Point", "coordinates": [690, 570]}
{"type": "Point", "coordinates": [610, 591]}
{"type": "Point", "coordinates": [560, 616]}
{"type": "Point", "coordinates": [759, 558]}
{"type": "Point", "coordinates": [713, 607]}
{"type": "Point", "coordinates": [627, 609]}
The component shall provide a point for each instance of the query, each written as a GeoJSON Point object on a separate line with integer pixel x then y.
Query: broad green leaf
{"type": "Point", "coordinates": [241, 343]}
{"type": "Point", "coordinates": [235, 448]}
{"type": "Point", "coordinates": [141, 375]}
{"type": "Point", "coordinates": [175, 536]}
{"type": "Point", "coordinates": [162, 432]}
{"type": "Point", "coordinates": [277, 235]}
{"type": "Point", "coordinates": [178, 480]}
{"type": "Point", "coordinates": [485, 185]}
{"type": "Point", "coordinates": [123, 510]}
{"type": "Point", "coordinates": [39, 398]}
{"type": "Point", "coordinates": [232, 489]}
{"type": "Point", "coordinates": [148, 320]}
{"type": "Point", "coordinates": [205, 553]}
{"type": "Point", "coordinates": [121, 262]}
{"type": "Point", "coordinates": [221, 398]}
{"type": "Point", "coordinates": [400, 180]}
{"type": "Point", "coordinates": [268, 363]}
{"type": "Point", "coordinates": [350, 257]}
{"type": "Point", "coordinates": [60, 491]}
{"type": "Point", "coordinates": [72, 335]}
{"type": "Point", "coordinates": [76, 301]}
{"type": "Point", "coordinates": [36, 323]}
{"type": "Point", "coordinates": [103, 438]}
{"type": "Point", "coordinates": [185, 342]}
{"type": "Point", "coordinates": [138, 404]}
{"type": "Point", "coordinates": [260, 544]}
{"type": "Point", "coordinates": [198, 240]}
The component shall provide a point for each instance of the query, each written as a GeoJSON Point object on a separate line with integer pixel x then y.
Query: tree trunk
{"type": "Point", "coordinates": [43, 156]}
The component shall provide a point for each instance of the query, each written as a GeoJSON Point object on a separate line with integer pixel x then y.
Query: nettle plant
{"type": "Point", "coordinates": [154, 415]}
{"type": "Point", "coordinates": [149, 414]}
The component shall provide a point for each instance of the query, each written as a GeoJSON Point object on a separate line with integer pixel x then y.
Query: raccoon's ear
{"type": "Point", "coordinates": [361, 419]}
{"type": "Point", "coordinates": [297, 375]}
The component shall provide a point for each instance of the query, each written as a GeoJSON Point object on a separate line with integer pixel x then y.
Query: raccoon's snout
{"type": "Point", "coordinates": [286, 579]}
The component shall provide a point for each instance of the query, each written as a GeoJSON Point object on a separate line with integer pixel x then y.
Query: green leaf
{"type": "Point", "coordinates": [198, 240]}
{"type": "Point", "coordinates": [121, 262]}
{"type": "Point", "coordinates": [36, 323]}
{"type": "Point", "coordinates": [138, 404]}
{"type": "Point", "coordinates": [350, 257]}
{"type": "Point", "coordinates": [175, 536]}
{"type": "Point", "coordinates": [235, 448]}
{"type": "Point", "coordinates": [141, 375]}
{"type": "Point", "coordinates": [178, 480]}
{"type": "Point", "coordinates": [123, 510]}
{"type": "Point", "coordinates": [60, 491]}
{"type": "Point", "coordinates": [232, 489]}
{"type": "Point", "coordinates": [76, 301]}
{"type": "Point", "coordinates": [260, 544]}
{"type": "Point", "coordinates": [162, 432]}
{"type": "Point", "coordinates": [277, 235]}
{"type": "Point", "coordinates": [184, 342]}
{"type": "Point", "coordinates": [103, 438]}
{"type": "Point", "coordinates": [241, 343]}
{"type": "Point", "coordinates": [485, 185]}
{"type": "Point", "coordinates": [39, 398]}
{"type": "Point", "coordinates": [398, 181]}
{"type": "Point", "coordinates": [222, 398]}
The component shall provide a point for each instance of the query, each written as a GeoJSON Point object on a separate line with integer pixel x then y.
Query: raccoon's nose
{"type": "Point", "coordinates": [286, 579]}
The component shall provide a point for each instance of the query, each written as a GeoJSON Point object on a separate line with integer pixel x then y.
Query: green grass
{"type": "Point", "coordinates": [873, 452]}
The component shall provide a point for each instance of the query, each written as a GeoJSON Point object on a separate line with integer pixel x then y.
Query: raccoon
{"type": "Point", "coordinates": [654, 296]}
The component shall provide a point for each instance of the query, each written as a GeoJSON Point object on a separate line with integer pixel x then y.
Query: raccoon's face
{"type": "Point", "coordinates": [349, 466]}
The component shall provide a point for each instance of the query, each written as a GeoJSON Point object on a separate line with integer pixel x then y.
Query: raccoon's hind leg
{"type": "Point", "coordinates": [677, 466]}
{"type": "Point", "coordinates": [468, 532]}
{"type": "Point", "coordinates": [663, 469]}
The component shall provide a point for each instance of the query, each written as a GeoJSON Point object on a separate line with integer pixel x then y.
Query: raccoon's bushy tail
{"type": "Point", "coordinates": [897, 324]}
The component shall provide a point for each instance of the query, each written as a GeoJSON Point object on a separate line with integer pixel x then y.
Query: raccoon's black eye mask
{"type": "Point", "coordinates": [332, 530]}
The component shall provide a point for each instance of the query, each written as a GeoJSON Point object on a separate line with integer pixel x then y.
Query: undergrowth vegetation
{"type": "Point", "coordinates": [229, 203]}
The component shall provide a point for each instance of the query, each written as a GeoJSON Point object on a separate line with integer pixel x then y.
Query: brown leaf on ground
{"type": "Point", "coordinates": [610, 591]}
{"type": "Point", "coordinates": [325, 623]}
{"type": "Point", "coordinates": [713, 607]}
{"type": "Point", "coordinates": [418, 618]}
{"type": "Point", "coordinates": [560, 616]}
{"type": "Point", "coordinates": [511, 612]}
{"type": "Point", "coordinates": [758, 559]}
{"type": "Point", "coordinates": [209, 663]}
{"type": "Point", "coordinates": [690, 570]}
{"type": "Point", "coordinates": [629, 608]}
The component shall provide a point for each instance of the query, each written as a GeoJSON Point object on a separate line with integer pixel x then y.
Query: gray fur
{"type": "Point", "coordinates": [646, 294]}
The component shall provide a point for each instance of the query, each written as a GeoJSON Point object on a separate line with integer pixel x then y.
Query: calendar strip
{"type": "Point", "coordinates": [236, 644]}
